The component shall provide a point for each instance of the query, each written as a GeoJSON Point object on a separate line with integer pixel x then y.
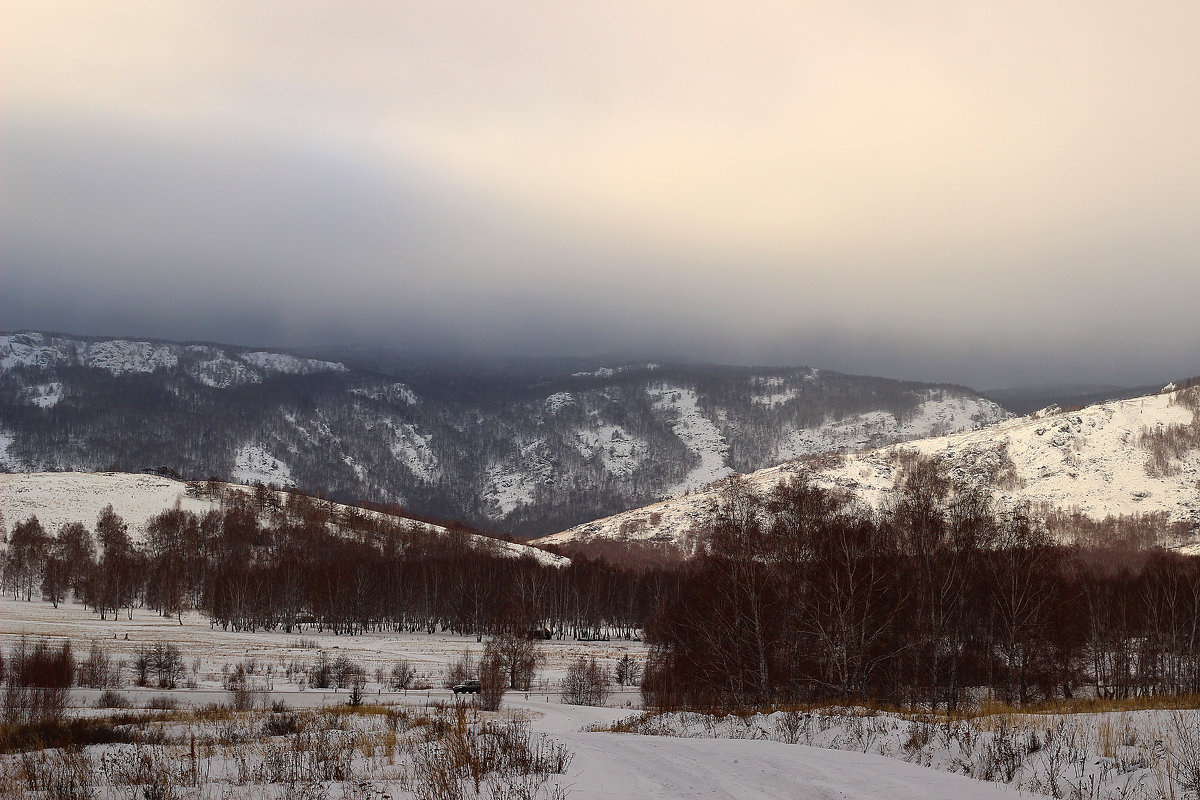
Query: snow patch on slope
{"type": "Point", "coordinates": [394, 392]}
{"type": "Point", "coordinates": [253, 464]}
{"type": "Point", "coordinates": [219, 370]}
{"type": "Point", "coordinates": [698, 434]}
{"type": "Point", "coordinates": [509, 488]}
{"type": "Point", "coordinates": [117, 356]}
{"type": "Point", "coordinates": [57, 498]}
{"type": "Point", "coordinates": [619, 450]}
{"type": "Point", "coordinates": [7, 460]}
{"type": "Point", "coordinates": [291, 365]}
{"type": "Point", "coordinates": [413, 449]}
{"type": "Point", "coordinates": [44, 395]}
{"type": "Point", "coordinates": [938, 414]}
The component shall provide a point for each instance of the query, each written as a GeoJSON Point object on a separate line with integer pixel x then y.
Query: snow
{"type": "Point", "coordinates": [1059, 754]}
{"type": "Point", "coordinates": [620, 451]}
{"type": "Point", "coordinates": [253, 464]}
{"type": "Point", "coordinates": [117, 356]}
{"type": "Point", "coordinates": [939, 413]}
{"type": "Point", "coordinates": [57, 498]}
{"type": "Point", "coordinates": [557, 400]}
{"type": "Point", "coordinates": [44, 395]}
{"type": "Point", "coordinates": [219, 370]}
{"type": "Point", "coordinates": [394, 392]}
{"type": "Point", "coordinates": [771, 391]}
{"type": "Point", "coordinates": [412, 448]}
{"type": "Point", "coordinates": [509, 488]}
{"type": "Point", "coordinates": [289, 364]}
{"type": "Point", "coordinates": [603, 372]}
{"type": "Point", "coordinates": [1089, 460]}
{"type": "Point", "coordinates": [609, 765]}
{"type": "Point", "coordinates": [7, 460]}
{"type": "Point", "coordinates": [698, 434]}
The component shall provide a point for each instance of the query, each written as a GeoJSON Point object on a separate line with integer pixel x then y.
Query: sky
{"type": "Point", "coordinates": [992, 194]}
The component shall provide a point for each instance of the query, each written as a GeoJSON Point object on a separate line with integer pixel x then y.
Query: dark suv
{"type": "Point", "coordinates": [467, 687]}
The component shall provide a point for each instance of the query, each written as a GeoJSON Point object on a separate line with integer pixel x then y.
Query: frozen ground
{"type": "Point", "coordinates": [606, 765]}
{"type": "Point", "coordinates": [1131, 755]}
{"type": "Point", "coordinates": [613, 765]}
{"type": "Point", "coordinates": [430, 654]}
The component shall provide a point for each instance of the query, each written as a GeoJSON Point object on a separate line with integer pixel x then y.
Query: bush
{"type": "Point", "coordinates": [493, 680]}
{"type": "Point", "coordinates": [112, 699]}
{"type": "Point", "coordinates": [39, 679]}
{"type": "Point", "coordinates": [586, 684]}
{"type": "Point", "coordinates": [98, 670]}
{"type": "Point", "coordinates": [401, 676]}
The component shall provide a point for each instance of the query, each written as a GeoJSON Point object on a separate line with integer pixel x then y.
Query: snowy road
{"type": "Point", "coordinates": [609, 765]}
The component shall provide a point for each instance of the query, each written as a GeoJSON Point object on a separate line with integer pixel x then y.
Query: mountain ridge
{"type": "Point", "coordinates": [1136, 457]}
{"type": "Point", "coordinates": [526, 447]}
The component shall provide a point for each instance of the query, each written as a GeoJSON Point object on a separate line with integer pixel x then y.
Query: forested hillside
{"type": "Point", "coordinates": [528, 447]}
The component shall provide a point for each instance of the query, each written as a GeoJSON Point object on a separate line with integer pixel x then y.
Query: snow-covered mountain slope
{"type": "Point", "coordinates": [58, 498]}
{"type": "Point", "coordinates": [523, 446]}
{"type": "Point", "coordinates": [1118, 458]}
{"type": "Point", "coordinates": [219, 367]}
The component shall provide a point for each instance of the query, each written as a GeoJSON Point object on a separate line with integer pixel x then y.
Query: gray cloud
{"type": "Point", "coordinates": [976, 196]}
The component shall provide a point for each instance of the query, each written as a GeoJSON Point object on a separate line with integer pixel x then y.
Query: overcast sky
{"type": "Point", "coordinates": [988, 193]}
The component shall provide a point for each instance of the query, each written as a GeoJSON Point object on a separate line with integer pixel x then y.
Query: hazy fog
{"type": "Point", "coordinates": [989, 193]}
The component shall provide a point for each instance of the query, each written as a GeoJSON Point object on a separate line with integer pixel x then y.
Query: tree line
{"type": "Point", "coordinates": [937, 601]}
{"type": "Point", "coordinates": [257, 563]}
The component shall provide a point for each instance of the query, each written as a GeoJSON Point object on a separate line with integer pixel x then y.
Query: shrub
{"type": "Point", "coordinates": [401, 676]}
{"type": "Point", "coordinates": [112, 699]}
{"type": "Point", "coordinates": [586, 683]}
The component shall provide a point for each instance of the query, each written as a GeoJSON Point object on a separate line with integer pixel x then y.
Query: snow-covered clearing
{"type": "Point", "coordinates": [57, 498]}
{"type": "Point", "coordinates": [611, 765]}
{"type": "Point", "coordinates": [430, 654]}
{"type": "Point", "coordinates": [605, 765]}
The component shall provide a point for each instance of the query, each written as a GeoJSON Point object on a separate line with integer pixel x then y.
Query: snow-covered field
{"type": "Point", "coordinates": [605, 765]}
{"type": "Point", "coordinates": [1090, 460]}
{"type": "Point", "coordinates": [430, 654]}
{"type": "Point", "coordinates": [1133, 755]}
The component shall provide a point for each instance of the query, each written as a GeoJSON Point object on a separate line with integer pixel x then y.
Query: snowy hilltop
{"type": "Point", "coordinates": [60, 498]}
{"type": "Point", "coordinates": [1121, 458]}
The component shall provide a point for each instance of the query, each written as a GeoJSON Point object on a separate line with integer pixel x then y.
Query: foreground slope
{"type": "Point", "coordinates": [1118, 458]}
{"type": "Point", "coordinates": [525, 446]}
{"type": "Point", "coordinates": [58, 498]}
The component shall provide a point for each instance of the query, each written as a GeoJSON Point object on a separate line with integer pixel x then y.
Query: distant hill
{"type": "Point", "coordinates": [525, 446]}
{"type": "Point", "coordinates": [1139, 456]}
